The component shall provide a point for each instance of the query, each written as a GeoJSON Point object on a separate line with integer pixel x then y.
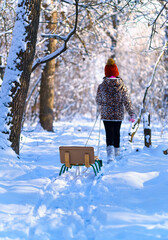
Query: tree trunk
{"type": "Point", "coordinates": [19, 66]}
{"type": "Point", "coordinates": [165, 99]}
{"type": "Point", "coordinates": [114, 36]}
{"type": "Point", "coordinates": [147, 130]}
{"type": "Point", "coordinates": [166, 38]}
{"type": "Point", "coordinates": [47, 77]}
{"type": "Point", "coordinates": [2, 68]}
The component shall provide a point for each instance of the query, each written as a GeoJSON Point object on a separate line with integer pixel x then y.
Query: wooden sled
{"type": "Point", "coordinates": [78, 156]}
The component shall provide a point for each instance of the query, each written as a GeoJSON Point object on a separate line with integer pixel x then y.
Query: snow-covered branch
{"type": "Point", "coordinates": [154, 71]}
{"type": "Point", "coordinates": [136, 124]}
{"type": "Point", "coordinates": [7, 32]}
{"type": "Point", "coordinates": [63, 48]}
{"type": "Point", "coordinates": [153, 24]}
{"type": "Point", "coordinates": [155, 20]}
{"type": "Point", "coordinates": [56, 36]}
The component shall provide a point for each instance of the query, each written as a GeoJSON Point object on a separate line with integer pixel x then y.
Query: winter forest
{"type": "Point", "coordinates": [57, 50]}
{"type": "Point", "coordinates": [52, 58]}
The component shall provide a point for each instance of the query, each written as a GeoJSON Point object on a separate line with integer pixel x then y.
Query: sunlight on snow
{"type": "Point", "coordinates": [133, 179]}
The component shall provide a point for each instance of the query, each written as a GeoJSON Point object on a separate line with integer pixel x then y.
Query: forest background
{"type": "Point", "coordinates": [53, 53]}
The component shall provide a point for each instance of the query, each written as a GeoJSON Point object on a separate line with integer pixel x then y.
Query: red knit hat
{"type": "Point", "coordinates": [111, 68]}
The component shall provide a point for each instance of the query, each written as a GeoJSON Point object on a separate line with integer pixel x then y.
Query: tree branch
{"type": "Point", "coordinates": [153, 24]}
{"type": "Point", "coordinates": [155, 20]}
{"type": "Point", "coordinates": [60, 50]}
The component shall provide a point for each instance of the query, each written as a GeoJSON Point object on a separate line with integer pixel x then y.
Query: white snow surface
{"type": "Point", "coordinates": [127, 200]}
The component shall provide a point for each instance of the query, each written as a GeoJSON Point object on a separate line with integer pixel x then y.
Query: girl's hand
{"type": "Point", "coordinates": [132, 120]}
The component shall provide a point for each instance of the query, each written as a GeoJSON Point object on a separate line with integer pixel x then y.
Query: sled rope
{"type": "Point", "coordinates": [98, 147]}
{"type": "Point", "coordinates": [98, 135]}
{"type": "Point", "coordinates": [78, 168]}
{"type": "Point", "coordinates": [91, 131]}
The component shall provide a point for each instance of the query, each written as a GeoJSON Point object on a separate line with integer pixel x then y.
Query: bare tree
{"type": "Point", "coordinates": [63, 48]}
{"type": "Point", "coordinates": [90, 43]}
{"type": "Point", "coordinates": [17, 73]}
{"type": "Point", "coordinates": [7, 19]}
{"type": "Point", "coordinates": [48, 71]}
{"type": "Point", "coordinates": [60, 43]}
{"type": "Point", "coordinates": [142, 110]}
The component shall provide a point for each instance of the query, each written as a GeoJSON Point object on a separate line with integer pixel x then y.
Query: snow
{"type": "Point", "coordinates": [126, 200]}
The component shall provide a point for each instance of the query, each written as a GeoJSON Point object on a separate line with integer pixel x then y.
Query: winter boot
{"type": "Point", "coordinates": [110, 153]}
{"type": "Point", "coordinates": [117, 153]}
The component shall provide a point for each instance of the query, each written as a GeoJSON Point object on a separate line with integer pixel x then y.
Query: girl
{"type": "Point", "coordinates": [111, 98]}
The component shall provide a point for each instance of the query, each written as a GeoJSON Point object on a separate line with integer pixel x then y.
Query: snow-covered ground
{"type": "Point", "coordinates": [127, 200]}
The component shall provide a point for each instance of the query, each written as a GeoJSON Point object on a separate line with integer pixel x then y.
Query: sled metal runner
{"type": "Point", "coordinates": [78, 156]}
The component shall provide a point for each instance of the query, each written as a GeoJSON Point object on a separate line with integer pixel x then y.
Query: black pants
{"type": "Point", "coordinates": [112, 129]}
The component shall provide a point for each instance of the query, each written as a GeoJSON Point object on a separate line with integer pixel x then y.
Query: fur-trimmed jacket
{"type": "Point", "coordinates": [112, 96]}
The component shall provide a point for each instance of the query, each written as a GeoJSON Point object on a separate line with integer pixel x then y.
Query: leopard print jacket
{"type": "Point", "coordinates": [112, 96]}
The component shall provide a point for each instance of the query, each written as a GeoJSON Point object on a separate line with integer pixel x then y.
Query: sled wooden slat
{"type": "Point", "coordinates": [67, 162]}
{"type": "Point", "coordinates": [78, 156]}
{"type": "Point", "coordinates": [87, 164]}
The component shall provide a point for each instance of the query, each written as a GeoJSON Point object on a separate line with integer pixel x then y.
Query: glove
{"type": "Point", "coordinates": [132, 119]}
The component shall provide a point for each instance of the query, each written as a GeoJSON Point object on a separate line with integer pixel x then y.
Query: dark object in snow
{"type": "Point", "coordinates": [147, 129]}
{"type": "Point", "coordinates": [2, 68]}
{"type": "Point", "coordinates": [165, 152]}
{"type": "Point", "coordinates": [78, 156]}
